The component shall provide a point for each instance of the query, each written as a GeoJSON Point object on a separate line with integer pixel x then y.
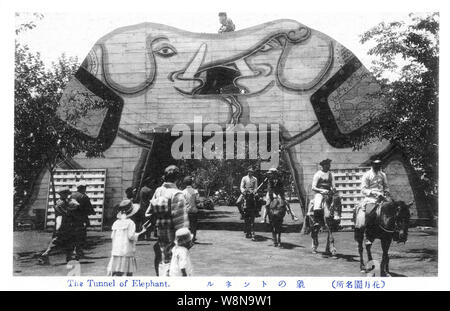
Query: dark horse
{"type": "Point", "coordinates": [251, 206]}
{"type": "Point", "coordinates": [276, 212]}
{"type": "Point", "coordinates": [388, 221]}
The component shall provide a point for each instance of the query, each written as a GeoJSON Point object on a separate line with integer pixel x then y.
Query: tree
{"type": "Point", "coordinates": [406, 66]}
{"type": "Point", "coordinates": [41, 138]}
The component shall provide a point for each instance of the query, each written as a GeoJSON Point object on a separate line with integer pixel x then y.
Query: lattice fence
{"type": "Point", "coordinates": [348, 184]}
{"type": "Point", "coordinates": [95, 190]}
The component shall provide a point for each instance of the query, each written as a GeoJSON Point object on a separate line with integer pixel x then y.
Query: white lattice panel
{"type": "Point", "coordinates": [95, 190]}
{"type": "Point", "coordinates": [348, 184]}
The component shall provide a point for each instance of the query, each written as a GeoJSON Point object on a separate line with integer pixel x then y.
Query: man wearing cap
{"type": "Point", "coordinates": [322, 183]}
{"type": "Point", "coordinates": [168, 204]}
{"type": "Point", "coordinates": [226, 23]}
{"type": "Point", "coordinates": [374, 187]}
{"type": "Point", "coordinates": [249, 184]}
{"type": "Point", "coordinates": [86, 207]}
{"type": "Point", "coordinates": [275, 187]}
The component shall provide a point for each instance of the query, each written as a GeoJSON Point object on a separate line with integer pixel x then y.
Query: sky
{"type": "Point", "coordinates": [74, 33]}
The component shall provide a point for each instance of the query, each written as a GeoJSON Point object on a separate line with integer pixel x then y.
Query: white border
{"type": "Point", "coordinates": [264, 8]}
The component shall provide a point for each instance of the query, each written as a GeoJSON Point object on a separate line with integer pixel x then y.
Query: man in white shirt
{"type": "Point", "coordinates": [375, 188]}
{"type": "Point", "coordinates": [249, 184]}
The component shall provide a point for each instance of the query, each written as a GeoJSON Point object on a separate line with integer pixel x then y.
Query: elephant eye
{"type": "Point", "coordinates": [166, 51]}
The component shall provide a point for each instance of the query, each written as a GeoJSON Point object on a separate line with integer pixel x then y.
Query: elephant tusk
{"type": "Point", "coordinates": [193, 66]}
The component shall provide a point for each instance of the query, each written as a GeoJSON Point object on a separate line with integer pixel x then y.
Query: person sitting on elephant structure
{"type": "Point", "coordinates": [226, 23]}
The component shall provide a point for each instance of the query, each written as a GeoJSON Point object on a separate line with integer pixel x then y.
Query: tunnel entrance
{"type": "Point", "coordinates": [219, 80]}
{"type": "Point", "coordinates": [223, 173]}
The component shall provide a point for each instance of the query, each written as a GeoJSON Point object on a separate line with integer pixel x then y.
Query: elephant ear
{"type": "Point", "coordinates": [347, 101]}
{"type": "Point", "coordinates": [128, 63]}
{"type": "Point", "coordinates": [92, 108]}
{"type": "Point", "coordinates": [303, 65]}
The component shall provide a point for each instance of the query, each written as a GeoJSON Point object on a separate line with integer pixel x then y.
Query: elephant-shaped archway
{"type": "Point", "coordinates": [281, 72]}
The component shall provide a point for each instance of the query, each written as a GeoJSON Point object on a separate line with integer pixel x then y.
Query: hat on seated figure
{"type": "Point", "coordinates": [324, 162]}
{"type": "Point", "coordinates": [376, 162]}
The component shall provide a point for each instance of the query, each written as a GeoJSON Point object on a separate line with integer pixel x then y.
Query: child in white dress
{"type": "Point", "coordinates": [180, 264]}
{"type": "Point", "coordinates": [124, 237]}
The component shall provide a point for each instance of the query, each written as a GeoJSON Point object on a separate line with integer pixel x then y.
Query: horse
{"type": "Point", "coordinates": [389, 221]}
{"type": "Point", "coordinates": [250, 210]}
{"type": "Point", "coordinates": [276, 212]}
{"type": "Point", "coordinates": [325, 217]}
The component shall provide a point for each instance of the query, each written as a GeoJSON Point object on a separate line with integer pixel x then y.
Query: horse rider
{"type": "Point", "coordinates": [375, 189]}
{"type": "Point", "coordinates": [275, 188]}
{"type": "Point", "coordinates": [322, 185]}
{"type": "Point", "coordinates": [249, 184]}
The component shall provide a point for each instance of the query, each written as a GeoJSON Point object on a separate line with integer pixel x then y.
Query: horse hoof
{"type": "Point", "coordinates": [43, 261]}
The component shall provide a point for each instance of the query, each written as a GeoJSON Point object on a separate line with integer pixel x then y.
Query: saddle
{"type": "Point", "coordinates": [371, 215]}
{"type": "Point", "coordinates": [277, 208]}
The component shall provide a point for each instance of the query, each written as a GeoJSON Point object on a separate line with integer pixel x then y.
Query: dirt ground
{"type": "Point", "coordinates": [222, 250]}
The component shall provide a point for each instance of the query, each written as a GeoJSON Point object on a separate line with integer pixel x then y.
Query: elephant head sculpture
{"type": "Point", "coordinates": [278, 72]}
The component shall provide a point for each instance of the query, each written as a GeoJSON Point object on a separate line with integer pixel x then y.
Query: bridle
{"type": "Point", "coordinates": [397, 225]}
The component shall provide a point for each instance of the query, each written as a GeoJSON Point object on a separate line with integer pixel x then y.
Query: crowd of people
{"type": "Point", "coordinates": [171, 214]}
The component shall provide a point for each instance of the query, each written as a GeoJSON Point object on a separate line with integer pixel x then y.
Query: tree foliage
{"type": "Point", "coordinates": [407, 67]}
{"type": "Point", "coordinates": [41, 138]}
{"type": "Point", "coordinates": [215, 174]}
